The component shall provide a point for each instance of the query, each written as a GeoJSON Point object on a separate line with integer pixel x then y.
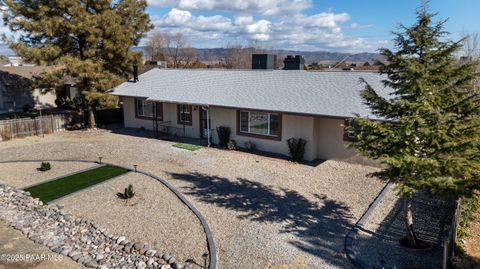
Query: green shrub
{"type": "Point", "coordinates": [128, 193]}
{"type": "Point", "coordinates": [468, 207]}
{"type": "Point", "coordinates": [223, 135]}
{"type": "Point", "coordinates": [232, 145]}
{"type": "Point", "coordinates": [296, 148]}
{"type": "Point", "coordinates": [45, 166]}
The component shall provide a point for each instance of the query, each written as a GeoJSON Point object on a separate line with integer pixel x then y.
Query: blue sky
{"type": "Point", "coordinates": [340, 25]}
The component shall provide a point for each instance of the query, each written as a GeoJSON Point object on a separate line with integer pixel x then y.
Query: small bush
{"type": "Point", "coordinates": [250, 145]}
{"type": "Point", "coordinates": [45, 166]}
{"type": "Point", "coordinates": [128, 193]}
{"type": "Point", "coordinates": [232, 145]}
{"type": "Point", "coordinates": [468, 207]}
{"type": "Point", "coordinates": [296, 148]}
{"type": "Point", "coordinates": [223, 135]}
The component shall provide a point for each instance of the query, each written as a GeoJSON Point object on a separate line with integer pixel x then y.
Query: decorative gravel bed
{"type": "Point", "coordinates": [23, 174]}
{"type": "Point", "coordinates": [263, 212]}
{"type": "Point", "coordinates": [154, 215]}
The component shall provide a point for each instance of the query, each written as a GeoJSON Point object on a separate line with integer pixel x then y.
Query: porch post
{"type": "Point", "coordinates": [208, 126]}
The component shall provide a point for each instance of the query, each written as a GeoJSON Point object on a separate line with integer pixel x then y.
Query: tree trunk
{"type": "Point", "coordinates": [91, 118]}
{"type": "Point", "coordinates": [411, 237]}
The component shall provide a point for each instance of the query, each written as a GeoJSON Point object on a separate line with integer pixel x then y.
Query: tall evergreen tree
{"type": "Point", "coordinates": [87, 41]}
{"type": "Point", "coordinates": [428, 137]}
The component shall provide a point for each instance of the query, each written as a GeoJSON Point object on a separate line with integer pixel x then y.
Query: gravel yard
{"type": "Point", "coordinates": [21, 175]}
{"type": "Point", "coordinates": [154, 215]}
{"type": "Point", "coordinates": [263, 212]}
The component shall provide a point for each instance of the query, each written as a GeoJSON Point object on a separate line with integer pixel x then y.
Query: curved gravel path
{"type": "Point", "coordinates": [263, 212]}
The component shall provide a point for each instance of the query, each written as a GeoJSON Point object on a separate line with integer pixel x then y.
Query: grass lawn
{"type": "Point", "coordinates": [55, 189]}
{"type": "Point", "coordinates": [187, 146]}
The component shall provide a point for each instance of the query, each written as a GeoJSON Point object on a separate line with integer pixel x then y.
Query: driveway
{"type": "Point", "coordinates": [263, 212]}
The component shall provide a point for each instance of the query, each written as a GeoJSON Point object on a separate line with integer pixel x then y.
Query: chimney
{"type": "Point", "coordinates": [264, 61]}
{"type": "Point", "coordinates": [135, 73]}
{"type": "Point", "coordinates": [293, 63]}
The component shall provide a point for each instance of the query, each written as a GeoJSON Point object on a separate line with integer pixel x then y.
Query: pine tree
{"type": "Point", "coordinates": [428, 135]}
{"type": "Point", "coordinates": [87, 41]}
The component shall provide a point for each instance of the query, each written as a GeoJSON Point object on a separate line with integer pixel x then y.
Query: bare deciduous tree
{"type": "Point", "coordinates": [239, 56]}
{"type": "Point", "coordinates": [471, 45]}
{"type": "Point", "coordinates": [172, 48]}
{"type": "Point", "coordinates": [156, 46]}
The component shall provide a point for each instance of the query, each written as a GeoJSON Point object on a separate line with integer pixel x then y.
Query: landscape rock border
{"type": "Point", "coordinates": [81, 240]}
{"type": "Point", "coordinates": [170, 260]}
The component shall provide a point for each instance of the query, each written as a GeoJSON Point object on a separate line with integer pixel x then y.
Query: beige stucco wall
{"type": "Point", "coordinates": [169, 118]}
{"type": "Point", "coordinates": [324, 136]}
{"type": "Point", "coordinates": [44, 99]}
{"type": "Point", "coordinates": [330, 144]}
{"type": "Point", "coordinates": [292, 126]}
{"type": "Point", "coordinates": [35, 99]}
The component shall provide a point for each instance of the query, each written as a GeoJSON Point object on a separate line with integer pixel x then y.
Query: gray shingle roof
{"type": "Point", "coordinates": [317, 93]}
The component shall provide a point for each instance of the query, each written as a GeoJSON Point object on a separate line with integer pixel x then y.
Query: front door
{"type": "Point", "coordinates": [203, 123]}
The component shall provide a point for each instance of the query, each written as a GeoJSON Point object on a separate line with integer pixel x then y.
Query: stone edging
{"type": "Point", "coordinates": [83, 241]}
{"type": "Point", "coordinates": [352, 234]}
{"type": "Point", "coordinates": [206, 228]}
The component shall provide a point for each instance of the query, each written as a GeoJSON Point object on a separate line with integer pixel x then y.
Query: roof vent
{"type": "Point", "coordinates": [293, 63]}
{"type": "Point", "coordinates": [264, 61]}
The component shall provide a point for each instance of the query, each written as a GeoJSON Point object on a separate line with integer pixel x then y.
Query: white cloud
{"type": "Point", "coordinates": [320, 31]}
{"type": "Point", "coordinates": [244, 20]}
{"type": "Point", "coordinates": [356, 25]}
{"type": "Point", "coordinates": [179, 19]}
{"type": "Point", "coordinates": [262, 7]}
{"type": "Point", "coordinates": [259, 31]}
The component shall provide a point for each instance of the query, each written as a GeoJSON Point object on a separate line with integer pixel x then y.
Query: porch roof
{"type": "Point", "coordinates": [328, 93]}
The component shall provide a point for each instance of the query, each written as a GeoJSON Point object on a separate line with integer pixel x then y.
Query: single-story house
{"type": "Point", "coordinates": [16, 92]}
{"type": "Point", "coordinates": [264, 107]}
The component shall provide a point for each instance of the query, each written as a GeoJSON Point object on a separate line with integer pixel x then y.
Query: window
{"type": "Point", "coordinates": [147, 109]}
{"type": "Point", "coordinates": [260, 123]}
{"type": "Point", "coordinates": [184, 114]}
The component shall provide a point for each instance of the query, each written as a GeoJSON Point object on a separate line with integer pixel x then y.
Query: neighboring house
{"type": "Point", "coordinates": [15, 89]}
{"type": "Point", "coordinates": [265, 107]}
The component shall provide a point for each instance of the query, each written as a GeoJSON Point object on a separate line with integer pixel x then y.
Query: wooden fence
{"type": "Point", "coordinates": [11, 129]}
{"type": "Point", "coordinates": [451, 238]}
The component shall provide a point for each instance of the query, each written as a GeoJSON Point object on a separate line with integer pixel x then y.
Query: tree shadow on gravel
{"type": "Point", "coordinates": [432, 219]}
{"type": "Point", "coordinates": [319, 227]}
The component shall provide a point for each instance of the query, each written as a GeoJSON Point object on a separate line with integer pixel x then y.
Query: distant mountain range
{"type": "Point", "coordinates": [216, 54]}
